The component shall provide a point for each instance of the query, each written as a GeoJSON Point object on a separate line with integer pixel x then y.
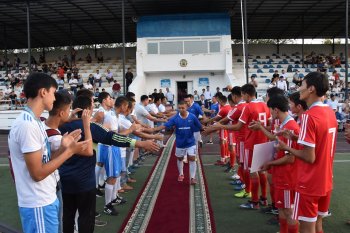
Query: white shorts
{"type": "Point", "coordinates": [197, 136]}
{"type": "Point", "coordinates": [181, 152]}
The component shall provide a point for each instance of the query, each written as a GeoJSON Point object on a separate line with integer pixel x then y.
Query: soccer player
{"type": "Point", "coordinates": [33, 163]}
{"type": "Point", "coordinates": [185, 124]}
{"type": "Point", "coordinates": [315, 161]}
{"type": "Point", "coordinates": [254, 111]}
{"type": "Point", "coordinates": [283, 167]}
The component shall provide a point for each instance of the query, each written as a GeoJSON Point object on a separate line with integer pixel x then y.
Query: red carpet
{"type": "Point", "coordinates": [171, 211]}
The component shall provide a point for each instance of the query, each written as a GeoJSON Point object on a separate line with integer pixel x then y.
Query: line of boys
{"type": "Point", "coordinates": [301, 171]}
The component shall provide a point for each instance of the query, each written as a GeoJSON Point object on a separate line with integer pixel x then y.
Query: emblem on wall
{"type": "Point", "coordinates": [183, 62]}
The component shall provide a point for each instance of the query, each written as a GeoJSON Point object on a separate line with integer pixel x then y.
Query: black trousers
{"type": "Point", "coordinates": [85, 203]}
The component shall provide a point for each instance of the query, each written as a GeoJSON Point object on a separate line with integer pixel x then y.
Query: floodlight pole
{"type": "Point", "coordinates": [246, 40]}
{"type": "Point", "coordinates": [28, 35]}
{"type": "Point", "coordinates": [123, 50]}
{"type": "Point", "coordinates": [302, 45]}
{"type": "Point", "coordinates": [5, 43]}
{"type": "Point", "coordinates": [346, 47]}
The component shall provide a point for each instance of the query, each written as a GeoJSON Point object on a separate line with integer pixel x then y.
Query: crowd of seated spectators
{"type": "Point", "coordinates": [324, 61]}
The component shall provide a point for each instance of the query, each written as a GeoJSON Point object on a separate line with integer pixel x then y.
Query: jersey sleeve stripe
{"type": "Point", "coordinates": [306, 143]}
{"type": "Point", "coordinates": [242, 121]}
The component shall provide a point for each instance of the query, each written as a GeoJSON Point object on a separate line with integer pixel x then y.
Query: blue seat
{"type": "Point", "coordinates": [279, 66]}
{"type": "Point", "coordinates": [307, 70]}
{"type": "Point", "coordinates": [265, 66]}
{"type": "Point", "coordinates": [296, 66]}
{"type": "Point", "coordinates": [271, 66]}
{"type": "Point", "coordinates": [259, 71]}
{"type": "Point", "coordinates": [342, 70]}
{"type": "Point", "coordinates": [301, 75]}
{"type": "Point", "coordinates": [271, 71]}
{"type": "Point", "coordinates": [267, 80]}
{"type": "Point", "coordinates": [270, 60]}
{"type": "Point", "coordinates": [263, 62]}
{"type": "Point", "coordinates": [291, 60]}
{"type": "Point", "coordinates": [256, 67]}
{"type": "Point", "coordinates": [263, 76]}
{"type": "Point", "coordinates": [254, 75]}
{"type": "Point", "coordinates": [294, 69]}
{"type": "Point", "coordinates": [313, 66]}
{"type": "Point", "coordinates": [254, 60]}
{"type": "Point", "coordinates": [280, 62]}
{"type": "Point", "coordinates": [330, 69]}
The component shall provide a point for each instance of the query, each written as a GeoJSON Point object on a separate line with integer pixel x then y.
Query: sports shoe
{"type": "Point", "coordinates": [235, 177]}
{"type": "Point", "coordinates": [250, 206]}
{"type": "Point", "coordinates": [100, 223]}
{"type": "Point", "coordinates": [109, 209]}
{"type": "Point", "coordinates": [180, 178]}
{"type": "Point", "coordinates": [269, 210]}
{"type": "Point", "coordinates": [99, 193]}
{"type": "Point", "coordinates": [239, 187]}
{"type": "Point", "coordinates": [102, 187]}
{"type": "Point", "coordinates": [329, 213]}
{"type": "Point", "coordinates": [193, 181]}
{"type": "Point", "coordinates": [263, 201]}
{"type": "Point", "coordinates": [97, 214]}
{"type": "Point", "coordinates": [228, 169]}
{"type": "Point", "coordinates": [236, 182]}
{"type": "Point", "coordinates": [118, 201]}
{"type": "Point", "coordinates": [209, 142]}
{"type": "Point", "coordinates": [243, 194]}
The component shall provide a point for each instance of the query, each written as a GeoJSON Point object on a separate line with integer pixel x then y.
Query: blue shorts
{"type": "Point", "coordinates": [111, 158]}
{"type": "Point", "coordinates": [41, 219]}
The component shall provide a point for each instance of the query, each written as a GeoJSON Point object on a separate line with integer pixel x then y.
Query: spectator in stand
{"type": "Point", "coordinates": [201, 101]}
{"type": "Point", "coordinates": [69, 74]}
{"type": "Point", "coordinates": [60, 72]}
{"type": "Point", "coordinates": [17, 62]}
{"type": "Point", "coordinates": [116, 89]}
{"type": "Point", "coordinates": [98, 78]}
{"type": "Point", "coordinates": [253, 81]}
{"type": "Point", "coordinates": [161, 94]}
{"type": "Point", "coordinates": [336, 88]}
{"type": "Point", "coordinates": [334, 78]}
{"type": "Point", "coordinates": [208, 96]}
{"type": "Point", "coordinates": [13, 98]}
{"type": "Point", "coordinates": [100, 58]}
{"type": "Point", "coordinates": [88, 58]}
{"type": "Point", "coordinates": [88, 86]}
{"type": "Point", "coordinates": [297, 79]}
{"type": "Point", "coordinates": [80, 81]}
{"type": "Point", "coordinates": [73, 54]}
{"type": "Point", "coordinates": [75, 71]}
{"type": "Point", "coordinates": [109, 76]}
{"type": "Point", "coordinates": [273, 83]}
{"type": "Point", "coordinates": [97, 93]}
{"type": "Point", "coordinates": [333, 102]}
{"type": "Point", "coordinates": [285, 75]}
{"type": "Point", "coordinates": [275, 74]}
{"type": "Point", "coordinates": [128, 78]}
{"type": "Point", "coordinates": [91, 80]}
{"type": "Point", "coordinates": [281, 84]}
{"type": "Point", "coordinates": [41, 59]}
{"type": "Point", "coordinates": [65, 60]}
{"type": "Point", "coordinates": [73, 83]}
{"type": "Point", "coordinates": [169, 96]}
{"type": "Point", "coordinates": [60, 83]}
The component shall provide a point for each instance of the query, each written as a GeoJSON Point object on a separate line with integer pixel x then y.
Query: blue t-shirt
{"type": "Point", "coordinates": [184, 129]}
{"type": "Point", "coordinates": [214, 107]}
{"type": "Point", "coordinates": [78, 172]}
{"type": "Point", "coordinates": [195, 109]}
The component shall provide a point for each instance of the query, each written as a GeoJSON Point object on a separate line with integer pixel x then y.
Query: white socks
{"type": "Point", "coordinates": [108, 193]}
{"type": "Point", "coordinates": [97, 174]}
{"type": "Point", "coordinates": [102, 176]}
{"type": "Point", "coordinates": [131, 158]}
{"type": "Point", "coordinates": [193, 168]}
{"type": "Point", "coordinates": [180, 166]}
{"type": "Point", "coordinates": [118, 183]}
{"type": "Point", "coordinates": [115, 190]}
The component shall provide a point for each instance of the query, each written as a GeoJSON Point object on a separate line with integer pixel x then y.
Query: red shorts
{"type": "Point", "coordinates": [240, 151]}
{"type": "Point", "coordinates": [223, 134]}
{"type": "Point", "coordinates": [284, 199]}
{"type": "Point", "coordinates": [307, 208]}
{"type": "Point", "coordinates": [231, 139]}
{"type": "Point", "coordinates": [248, 157]}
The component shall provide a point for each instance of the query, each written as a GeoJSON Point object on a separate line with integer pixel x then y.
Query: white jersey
{"type": "Point", "coordinates": [161, 108]}
{"type": "Point", "coordinates": [152, 108]}
{"type": "Point", "coordinates": [106, 112]}
{"type": "Point", "coordinates": [141, 113]}
{"type": "Point", "coordinates": [55, 143]}
{"type": "Point", "coordinates": [123, 124]}
{"type": "Point", "coordinates": [28, 135]}
{"type": "Point", "coordinates": [111, 121]}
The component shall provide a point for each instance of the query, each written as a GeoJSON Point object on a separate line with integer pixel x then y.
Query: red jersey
{"type": "Point", "coordinates": [284, 176]}
{"type": "Point", "coordinates": [223, 111]}
{"type": "Point", "coordinates": [318, 130]}
{"type": "Point", "coordinates": [233, 116]}
{"type": "Point", "coordinates": [255, 111]}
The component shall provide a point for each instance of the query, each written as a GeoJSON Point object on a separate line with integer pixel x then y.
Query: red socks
{"type": "Point", "coordinates": [240, 172]}
{"type": "Point", "coordinates": [272, 193]}
{"type": "Point", "coordinates": [283, 225]}
{"type": "Point", "coordinates": [263, 184]}
{"type": "Point", "coordinates": [247, 181]}
{"type": "Point", "coordinates": [232, 158]}
{"type": "Point", "coordinates": [255, 188]}
{"type": "Point", "coordinates": [222, 151]}
{"type": "Point", "coordinates": [293, 228]}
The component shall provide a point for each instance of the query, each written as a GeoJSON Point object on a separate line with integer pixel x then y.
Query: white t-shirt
{"type": "Point", "coordinates": [169, 96]}
{"type": "Point", "coordinates": [152, 108]}
{"type": "Point", "coordinates": [55, 143]}
{"type": "Point", "coordinates": [106, 112]}
{"type": "Point", "coordinates": [73, 82]}
{"type": "Point", "coordinates": [161, 108]}
{"type": "Point", "coordinates": [111, 121]}
{"type": "Point", "coordinates": [28, 135]}
{"type": "Point", "coordinates": [97, 76]}
{"type": "Point", "coordinates": [207, 95]}
{"type": "Point", "coordinates": [88, 86]}
{"type": "Point", "coordinates": [123, 124]}
{"type": "Point", "coordinates": [141, 113]}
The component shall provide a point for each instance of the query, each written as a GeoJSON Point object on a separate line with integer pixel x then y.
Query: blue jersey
{"type": "Point", "coordinates": [214, 107]}
{"type": "Point", "coordinates": [78, 172]}
{"type": "Point", "coordinates": [195, 109]}
{"type": "Point", "coordinates": [184, 129]}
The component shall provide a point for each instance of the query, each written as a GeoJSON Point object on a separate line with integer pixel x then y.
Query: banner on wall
{"type": "Point", "coordinates": [165, 83]}
{"type": "Point", "coordinates": [204, 81]}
